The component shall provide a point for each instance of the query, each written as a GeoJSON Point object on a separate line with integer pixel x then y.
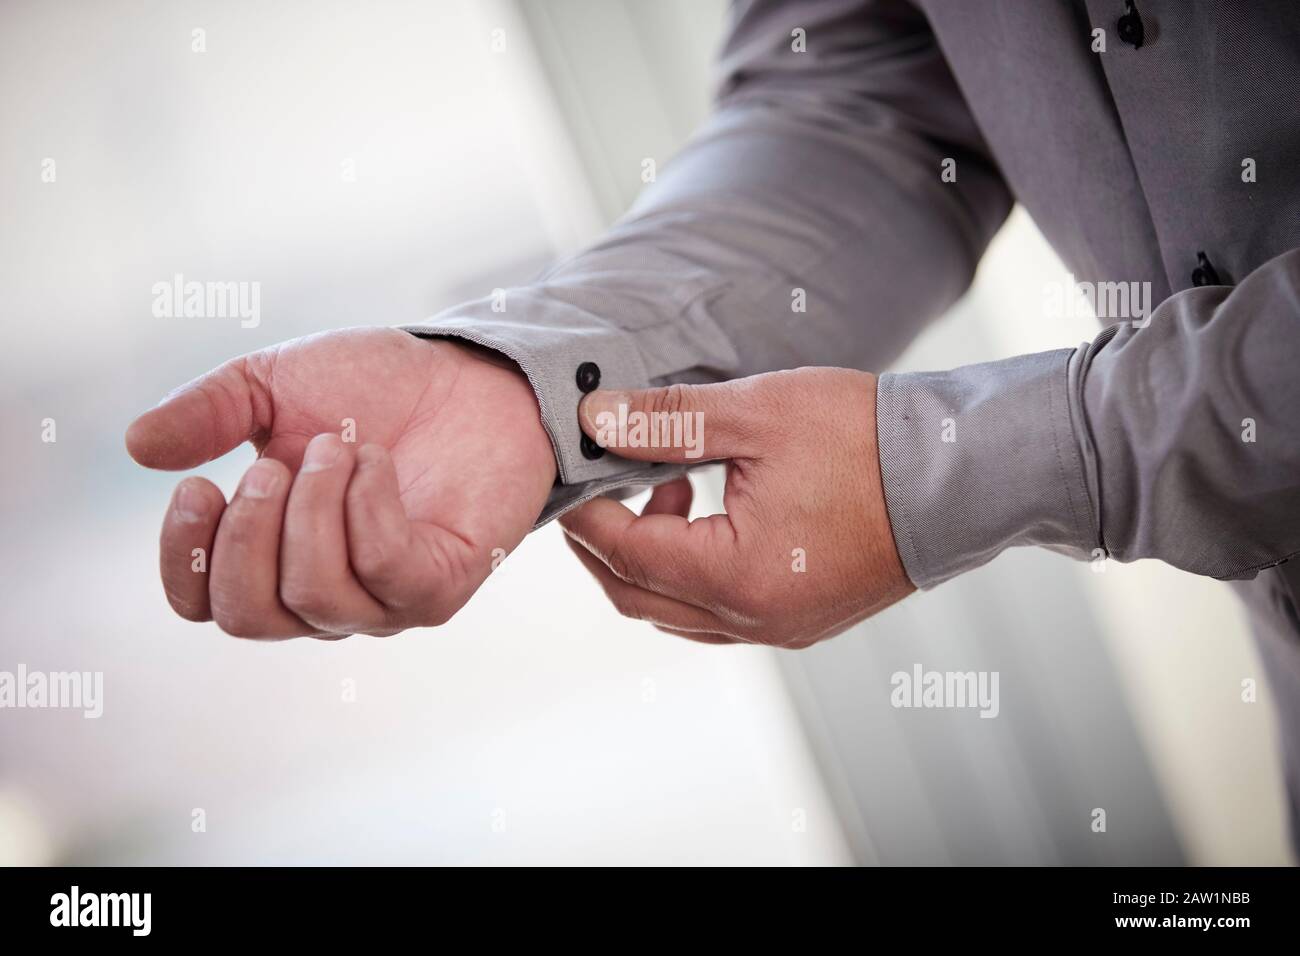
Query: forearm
{"type": "Point", "coordinates": [1194, 423]}
{"type": "Point", "coordinates": [1176, 441]}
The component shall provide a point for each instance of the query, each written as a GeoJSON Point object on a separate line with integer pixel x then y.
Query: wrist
{"type": "Point", "coordinates": [527, 432]}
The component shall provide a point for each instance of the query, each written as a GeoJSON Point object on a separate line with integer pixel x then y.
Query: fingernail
{"type": "Point", "coordinates": [260, 481]}
{"type": "Point", "coordinates": [321, 453]}
{"type": "Point", "coordinates": [191, 505]}
{"type": "Point", "coordinates": [603, 402]}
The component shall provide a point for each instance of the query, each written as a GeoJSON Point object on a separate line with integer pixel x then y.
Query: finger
{"type": "Point", "coordinates": [664, 553]}
{"type": "Point", "coordinates": [316, 579]}
{"type": "Point", "coordinates": [387, 551]}
{"type": "Point", "coordinates": [678, 423]}
{"type": "Point", "coordinates": [641, 605]}
{"type": "Point", "coordinates": [670, 498]}
{"type": "Point", "coordinates": [185, 546]}
{"type": "Point", "coordinates": [245, 565]}
{"type": "Point", "coordinates": [203, 419]}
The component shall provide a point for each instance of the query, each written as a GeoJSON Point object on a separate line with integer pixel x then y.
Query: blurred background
{"type": "Point", "coordinates": [372, 164]}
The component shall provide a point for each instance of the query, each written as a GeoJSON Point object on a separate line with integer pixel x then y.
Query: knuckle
{"type": "Point", "coordinates": [373, 562]}
{"type": "Point", "coordinates": [238, 624]}
{"type": "Point", "coordinates": [667, 400]}
{"type": "Point", "coordinates": [186, 608]}
{"type": "Point", "coordinates": [625, 564]}
{"type": "Point", "coordinates": [240, 525]}
{"type": "Point", "coordinates": [628, 606]}
{"type": "Point", "coordinates": [306, 599]}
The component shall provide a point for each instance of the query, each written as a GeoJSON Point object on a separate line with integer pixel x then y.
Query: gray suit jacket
{"type": "Point", "coordinates": [870, 169]}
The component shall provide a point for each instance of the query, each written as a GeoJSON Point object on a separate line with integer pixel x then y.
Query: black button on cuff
{"type": "Point", "coordinates": [590, 450]}
{"type": "Point", "coordinates": [588, 377]}
{"type": "Point", "coordinates": [1130, 27]}
{"type": "Point", "coordinates": [1204, 273]}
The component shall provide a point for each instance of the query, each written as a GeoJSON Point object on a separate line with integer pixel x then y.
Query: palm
{"type": "Point", "coordinates": [469, 467]}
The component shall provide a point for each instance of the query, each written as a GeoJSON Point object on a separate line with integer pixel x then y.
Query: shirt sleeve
{"type": "Point", "coordinates": [808, 223]}
{"type": "Point", "coordinates": [1177, 440]}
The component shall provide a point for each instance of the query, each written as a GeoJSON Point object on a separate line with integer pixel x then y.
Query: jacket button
{"type": "Point", "coordinates": [1204, 273]}
{"type": "Point", "coordinates": [588, 377]}
{"type": "Point", "coordinates": [1130, 27]}
{"type": "Point", "coordinates": [590, 450]}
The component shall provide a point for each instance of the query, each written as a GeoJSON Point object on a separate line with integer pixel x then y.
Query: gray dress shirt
{"type": "Point", "coordinates": [870, 169]}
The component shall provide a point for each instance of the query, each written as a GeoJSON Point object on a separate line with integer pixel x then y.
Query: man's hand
{"type": "Point", "coordinates": [326, 537]}
{"type": "Point", "coordinates": [805, 548]}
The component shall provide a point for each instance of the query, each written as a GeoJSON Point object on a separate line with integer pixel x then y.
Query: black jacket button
{"type": "Point", "coordinates": [1130, 27]}
{"type": "Point", "coordinates": [588, 377]}
{"type": "Point", "coordinates": [590, 450]}
{"type": "Point", "coordinates": [1204, 273]}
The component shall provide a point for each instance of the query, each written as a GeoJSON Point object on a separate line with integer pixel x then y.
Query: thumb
{"type": "Point", "coordinates": [201, 420]}
{"type": "Point", "coordinates": [676, 423]}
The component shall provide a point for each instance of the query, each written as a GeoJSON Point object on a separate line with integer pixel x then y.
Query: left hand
{"type": "Point", "coordinates": [804, 550]}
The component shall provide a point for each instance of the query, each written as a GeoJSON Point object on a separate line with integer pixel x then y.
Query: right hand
{"type": "Point", "coordinates": [325, 538]}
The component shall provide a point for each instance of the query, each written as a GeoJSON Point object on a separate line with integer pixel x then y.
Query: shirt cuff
{"type": "Point", "coordinates": [982, 458]}
{"type": "Point", "coordinates": [549, 353]}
